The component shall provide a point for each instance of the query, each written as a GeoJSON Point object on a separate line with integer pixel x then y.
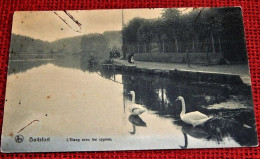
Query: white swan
{"type": "Point", "coordinates": [134, 108]}
{"type": "Point", "coordinates": [193, 118]}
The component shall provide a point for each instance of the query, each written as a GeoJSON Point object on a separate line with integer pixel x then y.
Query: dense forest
{"type": "Point", "coordinates": [195, 31]}
{"type": "Point", "coordinates": [24, 44]}
{"type": "Point", "coordinates": [100, 45]}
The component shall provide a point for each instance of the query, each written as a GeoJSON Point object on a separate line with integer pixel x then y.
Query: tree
{"type": "Point", "coordinates": [146, 32]}
{"type": "Point", "coordinates": [130, 32]}
{"type": "Point", "coordinates": [202, 29]}
{"type": "Point", "coordinates": [95, 44]}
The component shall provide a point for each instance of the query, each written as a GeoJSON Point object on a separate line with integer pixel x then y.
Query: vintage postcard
{"type": "Point", "coordinates": [131, 79]}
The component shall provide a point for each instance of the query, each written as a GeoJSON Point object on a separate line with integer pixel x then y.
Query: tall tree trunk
{"type": "Point", "coordinates": [176, 45]}
{"type": "Point", "coordinates": [188, 58]}
{"type": "Point", "coordinates": [150, 48]}
{"type": "Point", "coordinates": [197, 43]}
{"type": "Point", "coordinates": [193, 46]}
{"type": "Point", "coordinates": [159, 47]}
{"type": "Point", "coordinates": [207, 55]}
{"type": "Point", "coordinates": [163, 46]}
{"type": "Point", "coordinates": [212, 40]}
{"type": "Point", "coordinates": [162, 96]}
{"type": "Point", "coordinates": [220, 49]}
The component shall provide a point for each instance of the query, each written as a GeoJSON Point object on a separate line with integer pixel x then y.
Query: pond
{"type": "Point", "coordinates": [70, 98]}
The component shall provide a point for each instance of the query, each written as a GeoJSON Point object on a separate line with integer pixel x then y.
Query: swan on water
{"type": "Point", "coordinates": [194, 118]}
{"type": "Point", "coordinates": [134, 108]}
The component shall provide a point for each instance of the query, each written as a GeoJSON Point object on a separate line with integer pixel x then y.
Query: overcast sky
{"type": "Point", "coordinates": [48, 26]}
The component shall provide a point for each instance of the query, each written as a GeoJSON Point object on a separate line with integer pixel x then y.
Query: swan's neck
{"type": "Point", "coordinates": [133, 98]}
{"type": "Point", "coordinates": [183, 110]}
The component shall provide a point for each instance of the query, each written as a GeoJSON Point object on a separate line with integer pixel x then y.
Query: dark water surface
{"type": "Point", "coordinates": [231, 107]}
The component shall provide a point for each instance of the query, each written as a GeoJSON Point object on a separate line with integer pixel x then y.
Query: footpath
{"type": "Point", "coordinates": [241, 70]}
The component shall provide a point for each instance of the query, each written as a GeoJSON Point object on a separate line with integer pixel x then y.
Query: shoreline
{"type": "Point", "coordinates": [211, 73]}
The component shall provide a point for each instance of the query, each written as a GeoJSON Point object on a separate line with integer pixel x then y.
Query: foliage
{"type": "Point", "coordinates": [94, 44]}
{"type": "Point", "coordinates": [201, 25]}
{"type": "Point", "coordinates": [24, 44]}
{"type": "Point", "coordinates": [130, 32]}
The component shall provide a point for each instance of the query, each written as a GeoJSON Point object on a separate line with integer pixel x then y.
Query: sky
{"type": "Point", "coordinates": [50, 25]}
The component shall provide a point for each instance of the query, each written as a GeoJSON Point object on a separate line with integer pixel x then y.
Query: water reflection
{"type": "Point", "coordinates": [17, 66]}
{"type": "Point", "coordinates": [185, 141]}
{"type": "Point", "coordinates": [82, 62]}
{"type": "Point", "coordinates": [195, 132]}
{"type": "Point", "coordinates": [157, 94]}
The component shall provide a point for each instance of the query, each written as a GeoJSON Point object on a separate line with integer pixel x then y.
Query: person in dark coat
{"type": "Point", "coordinates": [131, 58]}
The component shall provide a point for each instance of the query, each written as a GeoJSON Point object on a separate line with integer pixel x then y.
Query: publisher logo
{"type": "Point", "coordinates": [19, 138]}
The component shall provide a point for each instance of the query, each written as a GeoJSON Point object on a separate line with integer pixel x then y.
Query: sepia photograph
{"type": "Point", "coordinates": [128, 79]}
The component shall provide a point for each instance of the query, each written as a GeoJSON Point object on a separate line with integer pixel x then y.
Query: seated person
{"type": "Point", "coordinates": [131, 58]}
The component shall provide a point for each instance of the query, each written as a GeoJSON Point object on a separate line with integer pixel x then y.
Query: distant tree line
{"type": "Point", "coordinates": [24, 44]}
{"type": "Point", "coordinates": [27, 45]}
{"type": "Point", "coordinates": [96, 45]}
{"type": "Point", "coordinates": [202, 29]}
{"type": "Point", "coordinates": [100, 45]}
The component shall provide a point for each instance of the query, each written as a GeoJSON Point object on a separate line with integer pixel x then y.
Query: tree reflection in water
{"type": "Point", "coordinates": [158, 94]}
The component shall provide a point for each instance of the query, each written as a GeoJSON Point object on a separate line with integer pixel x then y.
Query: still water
{"type": "Point", "coordinates": [68, 97]}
